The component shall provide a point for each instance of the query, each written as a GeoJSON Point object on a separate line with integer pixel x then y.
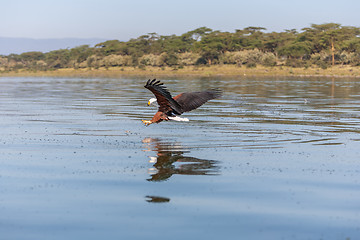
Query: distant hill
{"type": "Point", "coordinates": [21, 45]}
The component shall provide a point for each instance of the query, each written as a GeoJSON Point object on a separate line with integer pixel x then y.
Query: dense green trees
{"type": "Point", "coordinates": [320, 44]}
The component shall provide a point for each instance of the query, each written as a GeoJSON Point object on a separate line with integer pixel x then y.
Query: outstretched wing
{"type": "Point", "coordinates": [163, 97]}
{"type": "Point", "coordinates": [192, 100]}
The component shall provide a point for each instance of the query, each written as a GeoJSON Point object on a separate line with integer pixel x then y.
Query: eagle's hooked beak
{"type": "Point", "coordinates": [149, 103]}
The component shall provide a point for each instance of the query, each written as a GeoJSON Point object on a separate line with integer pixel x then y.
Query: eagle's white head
{"type": "Point", "coordinates": [151, 101]}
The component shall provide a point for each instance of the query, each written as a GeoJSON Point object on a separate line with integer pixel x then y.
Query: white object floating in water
{"type": "Point", "coordinates": [179, 119]}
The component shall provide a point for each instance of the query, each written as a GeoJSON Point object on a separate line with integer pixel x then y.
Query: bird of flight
{"type": "Point", "coordinates": [171, 107]}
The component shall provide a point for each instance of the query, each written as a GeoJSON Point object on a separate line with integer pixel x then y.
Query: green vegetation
{"type": "Point", "coordinates": [318, 46]}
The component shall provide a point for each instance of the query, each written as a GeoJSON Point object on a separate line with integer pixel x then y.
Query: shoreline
{"type": "Point", "coordinates": [215, 71]}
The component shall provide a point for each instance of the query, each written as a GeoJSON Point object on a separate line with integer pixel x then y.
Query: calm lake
{"type": "Point", "coordinates": [274, 158]}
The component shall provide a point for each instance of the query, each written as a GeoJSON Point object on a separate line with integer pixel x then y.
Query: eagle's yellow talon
{"type": "Point", "coordinates": [146, 122]}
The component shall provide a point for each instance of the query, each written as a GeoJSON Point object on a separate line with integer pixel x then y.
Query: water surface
{"type": "Point", "coordinates": [272, 159]}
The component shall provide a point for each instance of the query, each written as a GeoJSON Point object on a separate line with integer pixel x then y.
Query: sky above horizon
{"type": "Point", "coordinates": [126, 19]}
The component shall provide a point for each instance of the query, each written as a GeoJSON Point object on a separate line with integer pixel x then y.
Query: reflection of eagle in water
{"type": "Point", "coordinates": [169, 107]}
{"type": "Point", "coordinates": [170, 160]}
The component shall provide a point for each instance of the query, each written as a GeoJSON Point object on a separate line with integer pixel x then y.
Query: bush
{"type": "Point", "coordinates": [150, 60]}
{"type": "Point", "coordinates": [321, 59]}
{"type": "Point", "coordinates": [169, 59]}
{"type": "Point", "coordinates": [268, 59]}
{"type": "Point", "coordinates": [245, 57]}
{"type": "Point", "coordinates": [250, 64]}
{"type": "Point", "coordinates": [115, 60]}
{"type": "Point", "coordinates": [323, 65]}
{"type": "Point", "coordinates": [349, 58]}
{"type": "Point", "coordinates": [239, 58]}
{"type": "Point", "coordinates": [295, 63]}
{"type": "Point", "coordinates": [3, 62]}
{"type": "Point", "coordinates": [188, 58]}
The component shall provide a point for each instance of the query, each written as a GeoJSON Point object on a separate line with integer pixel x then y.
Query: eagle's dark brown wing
{"type": "Point", "coordinates": [163, 97]}
{"type": "Point", "coordinates": [192, 100]}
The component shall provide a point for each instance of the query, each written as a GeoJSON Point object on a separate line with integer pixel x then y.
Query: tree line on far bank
{"type": "Point", "coordinates": [320, 45]}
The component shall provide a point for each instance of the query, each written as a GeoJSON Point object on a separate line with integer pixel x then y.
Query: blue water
{"type": "Point", "coordinates": [272, 159]}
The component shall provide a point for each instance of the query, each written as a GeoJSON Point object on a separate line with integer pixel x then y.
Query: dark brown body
{"type": "Point", "coordinates": [158, 117]}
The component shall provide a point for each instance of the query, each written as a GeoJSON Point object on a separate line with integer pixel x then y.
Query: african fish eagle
{"type": "Point", "coordinates": [170, 107]}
